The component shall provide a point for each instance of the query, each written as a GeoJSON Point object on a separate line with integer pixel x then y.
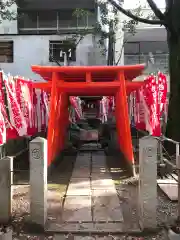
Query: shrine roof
{"type": "Point", "coordinates": [98, 73]}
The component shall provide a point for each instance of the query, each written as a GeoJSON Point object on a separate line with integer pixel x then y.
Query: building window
{"type": "Point", "coordinates": [52, 21]}
{"type": "Point", "coordinates": [66, 19]}
{"type": "Point", "coordinates": [27, 19]}
{"type": "Point", "coordinates": [153, 53]}
{"type": "Point", "coordinates": [57, 50]}
{"type": "Point", "coordinates": [6, 51]}
{"type": "Point", "coordinates": [47, 19]}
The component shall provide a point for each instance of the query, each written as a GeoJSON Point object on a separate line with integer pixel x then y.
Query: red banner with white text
{"type": "Point", "coordinates": [150, 103]}
{"type": "Point", "coordinates": [24, 111]}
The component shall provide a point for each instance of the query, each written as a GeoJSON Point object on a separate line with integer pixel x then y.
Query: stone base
{"type": "Point", "coordinates": [148, 230]}
{"type": "Point", "coordinates": [173, 236]}
{"type": "Point", "coordinates": [7, 235]}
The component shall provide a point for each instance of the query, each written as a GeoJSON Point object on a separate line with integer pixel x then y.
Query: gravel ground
{"type": "Point", "coordinates": [160, 236]}
{"type": "Point", "coordinates": [166, 211]}
{"type": "Point", "coordinates": [127, 189]}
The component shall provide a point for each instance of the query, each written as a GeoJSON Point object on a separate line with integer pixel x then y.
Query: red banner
{"type": "Point", "coordinates": [23, 90]}
{"type": "Point", "coordinates": [27, 109]}
{"type": "Point", "coordinates": [4, 126]}
{"type": "Point", "coordinates": [150, 102]}
{"type": "Point", "coordinates": [75, 102]}
{"type": "Point", "coordinates": [16, 117]}
{"type": "Point", "coordinates": [162, 83]}
{"type": "Point", "coordinates": [139, 113]}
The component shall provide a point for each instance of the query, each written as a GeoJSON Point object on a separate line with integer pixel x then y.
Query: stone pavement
{"type": "Point", "coordinates": [91, 195]}
{"type": "Point", "coordinates": [91, 202]}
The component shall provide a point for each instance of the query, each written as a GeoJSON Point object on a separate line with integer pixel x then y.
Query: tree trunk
{"type": "Point", "coordinates": [173, 124]}
{"type": "Point", "coordinates": [110, 60]}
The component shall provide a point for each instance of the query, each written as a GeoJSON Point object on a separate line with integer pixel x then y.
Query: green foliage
{"type": "Point", "coordinates": [5, 12]}
{"type": "Point", "coordinates": [101, 29]}
{"type": "Point", "coordinates": [80, 14]}
{"type": "Point", "coordinates": [104, 30]}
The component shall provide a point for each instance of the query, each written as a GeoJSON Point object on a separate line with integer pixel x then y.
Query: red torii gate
{"type": "Point", "coordinates": [67, 81]}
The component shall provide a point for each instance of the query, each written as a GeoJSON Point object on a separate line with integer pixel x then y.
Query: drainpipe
{"type": "Point", "coordinates": [65, 59]}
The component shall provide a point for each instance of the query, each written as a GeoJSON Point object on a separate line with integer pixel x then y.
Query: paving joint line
{"type": "Point", "coordinates": [92, 204]}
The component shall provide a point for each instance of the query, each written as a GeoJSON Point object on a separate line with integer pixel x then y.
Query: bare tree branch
{"type": "Point", "coordinates": [136, 18]}
{"type": "Point", "coordinates": [54, 60]}
{"type": "Point", "coordinates": [156, 10]}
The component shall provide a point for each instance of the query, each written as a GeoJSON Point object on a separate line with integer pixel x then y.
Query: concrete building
{"type": "Point", "coordinates": [148, 45]}
{"type": "Point", "coordinates": [44, 29]}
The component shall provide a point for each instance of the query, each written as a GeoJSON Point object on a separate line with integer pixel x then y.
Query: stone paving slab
{"type": "Point", "coordinates": [99, 159]}
{"type": "Point", "coordinates": [70, 227]}
{"type": "Point", "coordinates": [83, 155]}
{"type": "Point", "coordinates": [78, 237]}
{"type": "Point", "coordinates": [85, 161]}
{"type": "Point", "coordinates": [81, 166]}
{"type": "Point", "coordinates": [98, 170]}
{"type": "Point", "coordinates": [100, 175]}
{"type": "Point", "coordinates": [73, 237]}
{"type": "Point", "coordinates": [81, 173]}
{"type": "Point", "coordinates": [170, 189]}
{"type": "Point", "coordinates": [91, 199]}
{"type": "Point", "coordinates": [86, 227]}
{"type": "Point", "coordinates": [109, 227]}
{"type": "Point", "coordinates": [104, 192]}
{"type": "Point", "coordinates": [99, 237]}
{"type": "Point", "coordinates": [106, 207]}
{"type": "Point", "coordinates": [54, 204]}
{"type": "Point", "coordinates": [84, 238]}
{"type": "Point", "coordinates": [84, 180]}
{"type": "Point", "coordinates": [100, 163]}
{"type": "Point", "coordinates": [82, 163]}
{"type": "Point", "coordinates": [80, 169]}
{"type": "Point", "coordinates": [78, 192]}
{"type": "Point", "coordinates": [77, 208]}
{"type": "Point", "coordinates": [102, 184]}
{"type": "Point", "coordinates": [79, 187]}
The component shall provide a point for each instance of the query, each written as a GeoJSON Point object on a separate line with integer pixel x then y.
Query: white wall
{"type": "Point", "coordinates": [34, 50]}
{"type": "Point", "coordinates": [119, 52]}
{"type": "Point", "coordinates": [129, 4]}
